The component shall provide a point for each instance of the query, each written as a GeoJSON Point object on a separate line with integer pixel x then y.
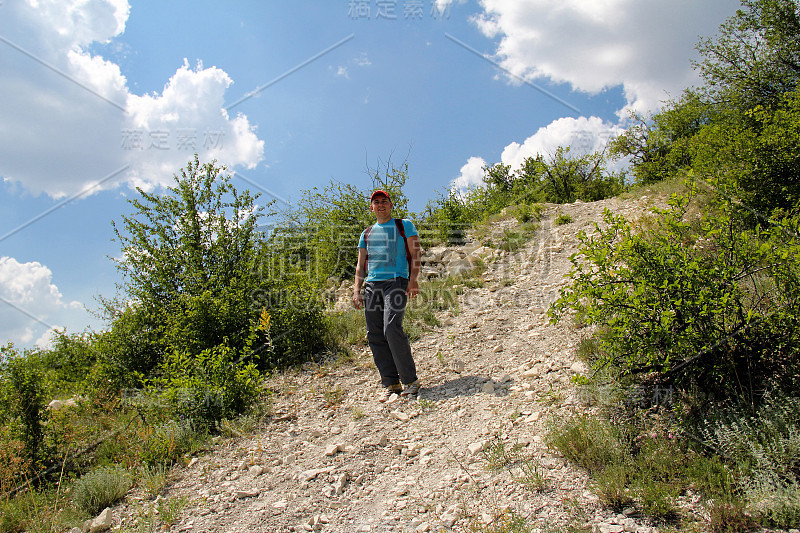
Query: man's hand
{"type": "Point", "coordinates": [413, 288]}
{"type": "Point", "coordinates": [358, 300]}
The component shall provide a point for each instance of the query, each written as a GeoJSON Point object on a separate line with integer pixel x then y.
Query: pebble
{"type": "Point", "coordinates": [400, 415]}
{"type": "Point", "coordinates": [333, 449]}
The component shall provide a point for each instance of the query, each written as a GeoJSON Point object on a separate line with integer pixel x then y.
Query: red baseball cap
{"type": "Point", "coordinates": [380, 192]}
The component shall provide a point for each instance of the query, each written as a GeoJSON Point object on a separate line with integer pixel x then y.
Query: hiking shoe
{"type": "Point", "coordinates": [412, 389]}
{"type": "Point", "coordinates": [386, 392]}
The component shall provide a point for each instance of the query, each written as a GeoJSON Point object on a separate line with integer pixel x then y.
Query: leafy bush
{"type": "Point", "coordinates": [706, 303]}
{"type": "Point", "coordinates": [297, 323]}
{"type": "Point", "coordinates": [562, 219]}
{"type": "Point", "coordinates": [22, 408]}
{"type": "Point", "coordinates": [215, 384]}
{"type": "Point", "coordinates": [189, 259]}
{"type": "Point", "coordinates": [562, 179]}
{"type": "Point", "coordinates": [163, 444]}
{"type": "Point", "coordinates": [100, 488]}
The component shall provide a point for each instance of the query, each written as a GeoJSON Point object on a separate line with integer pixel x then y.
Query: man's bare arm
{"type": "Point", "coordinates": [358, 301]}
{"type": "Point", "coordinates": [414, 266]}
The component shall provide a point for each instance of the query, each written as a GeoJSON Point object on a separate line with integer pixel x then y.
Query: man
{"type": "Point", "coordinates": [390, 265]}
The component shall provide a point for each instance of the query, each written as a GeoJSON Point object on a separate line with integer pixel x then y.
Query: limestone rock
{"type": "Point", "coordinates": [333, 449]}
{"type": "Point", "coordinates": [246, 493]}
{"type": "Point", "coordinates": [400, 415]}
{"type": "Point", "coordinates": [101, 522]}
{"type": "Point", "coordinates": [476, 447]}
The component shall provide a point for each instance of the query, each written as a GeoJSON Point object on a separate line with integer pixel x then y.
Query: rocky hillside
{"type": "Point", "coordinates": [334, 459]}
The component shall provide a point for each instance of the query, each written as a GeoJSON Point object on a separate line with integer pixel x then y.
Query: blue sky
{"type": "Point", "coordinates": [98, 97]}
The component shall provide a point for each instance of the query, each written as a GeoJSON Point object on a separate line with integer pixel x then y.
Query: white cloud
{"type": "Point", "coordinates": [643, 46]}
{"type": "Point", "coordinates": [70, 119]}
{"type": "Point", "coordinates": [30, 304]}
{"type": "Point", "coordinates": [342, 72]}
{"type": "Point", "coordinates": [582, 135]}
{"type": "Point", "coordinates": [471, 174]}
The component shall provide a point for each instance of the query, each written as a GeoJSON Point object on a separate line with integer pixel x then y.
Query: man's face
{"type": "Point", "coordinates": [381, 206]}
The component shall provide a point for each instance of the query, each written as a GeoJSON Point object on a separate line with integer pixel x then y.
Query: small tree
{"type": "Point", "coordinates": [189, 259]}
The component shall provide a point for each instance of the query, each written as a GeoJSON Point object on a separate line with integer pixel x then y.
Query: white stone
{"type": "Point", "coordinates": [308, 475]}
{"type": "Point", "coordinates": [341, 484]}
{"type": "Point", "coordinates": [449, 520]}
{"type": "Point", "coordinates": [578, 367]}
{"type": "Point", "coordinates": [400, 415]}
{"type": "Point", "coordinates": [333, 449]}
{"type": "Point", "coordinates": [533, 417]}
{"type": "Point", "coordinates": [101, 522]}
{"type": "Point", "coordinates": [476, 447]}
{"type": "Point", "coordinates": [457, 365]}
{"type": "Point", "coordinates": [488, 387]}
{"type": "Point", "coordinates": [251, 493]}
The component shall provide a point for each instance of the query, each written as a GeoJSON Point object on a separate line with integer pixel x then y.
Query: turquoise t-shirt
{"type": "Point", "coordinates": [386, 251]}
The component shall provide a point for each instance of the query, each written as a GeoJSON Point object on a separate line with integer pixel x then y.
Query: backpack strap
{"type": "Point", "coordinates": [402, 230]}
{"type": "Point", "coordinates": [366, 253]}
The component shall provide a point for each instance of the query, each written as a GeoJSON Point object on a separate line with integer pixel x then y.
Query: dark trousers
{"type": "Point", "coordinates": [384, 308]}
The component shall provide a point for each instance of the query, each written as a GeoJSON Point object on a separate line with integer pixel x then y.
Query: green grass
{"type": "Point", "coordinates": [563, 219]}
{"type": "Point", "coordinates": [499, 455]}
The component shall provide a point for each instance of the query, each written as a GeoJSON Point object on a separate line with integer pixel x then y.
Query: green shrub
{"type": "Point", "coordinates": [210, 386]}
{"type": "Point", "coordinates": [729, 517]}
{"type": "Point", "coordinates": [612, 485]}
{"type": "Point", "coordinates": [764, 449]}
{"type": "Point", "coordinates": [23, 397]}
{"type": "Point", "coordinates": [346, 328]}
{"type": "Point", "coordinates": [152, 478]}
{"type": "Point", "coordinates": [167, 442]}
{"type": "Point", "coordinates": [705, 302]}
{"type": "Point", "coordinates": [100, 488]}
{"type": "Point", "coordinates": [563, 219]}
{"type": "Point", "coordinates": [37, 511]}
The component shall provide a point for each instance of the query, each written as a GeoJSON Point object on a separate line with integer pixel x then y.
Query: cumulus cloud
{"type": "Point", "coordinates": [643, 46]}
{"type": "Point", "coordinates": [70, 121]}
{"type": "Point", "coordinates": [31, 305]}
{"type": "Point", "coordinates": [471, 174]}
{"type": "Point", "coordinates": [582, 135]}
